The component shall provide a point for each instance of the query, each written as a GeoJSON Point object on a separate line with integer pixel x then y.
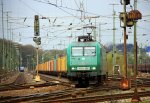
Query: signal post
{"type": "Point", "coordinates": [125, 82]}
{"type": "Point", "coordinates": [129, 19]}
{"type": "Point", "coordinates": [37, 40]}
{"type": "Point", "coordinates": [134, 15]}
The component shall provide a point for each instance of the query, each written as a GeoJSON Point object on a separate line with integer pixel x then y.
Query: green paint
{"type": "Point", "coordinates": [86, 63]}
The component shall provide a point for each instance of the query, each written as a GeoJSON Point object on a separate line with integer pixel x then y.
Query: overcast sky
{"type": "Point", "coordinates": [65, 21]}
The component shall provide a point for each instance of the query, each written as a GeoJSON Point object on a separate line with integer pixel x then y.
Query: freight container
{"type": "Point", "coordinates": [63, 64]}
{"type": "Point", "coordinates": [49, 62]}
{"type": "Point", "coordinates": [46, 66]}
{"type": "Point", "coordinates": [52, 65]}
{"type": "Point", "coordinates": [58, 65]}
{"type": "Point", "coordinates": [49, 66]}
{"type": "Point", "coordinates": [54, 69]}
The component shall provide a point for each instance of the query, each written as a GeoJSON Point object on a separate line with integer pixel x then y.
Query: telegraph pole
{"type": "Point", "coordinates": [125, 38]}
{"type": "Point", "coordinates": [135, 97]}
{"type": "Point", "coordinates": [3, 50]}
{"type": "Point", "coordinates": [135, 41]}
{"type": "Point", "coordinates": [7, 49]}
{"type": "Point", "coordinates": [20, 53]}
{"type": "Point", "coordinates": [7, 46]}
{"type": "Point", "coordinates": [10, 49]}
{"type": "Point", "coordinates": [114, 39]}
{"type": "Point", "coordinates": [135, 44]}
{"type": "Point", "coordinates": [12, 56]}
{"type": "Point", "coordinates": [99, 35]}
{"type": "Point", "coordinates": [95, 30]}
{"type": "Point", "coordinates": [99, 32]}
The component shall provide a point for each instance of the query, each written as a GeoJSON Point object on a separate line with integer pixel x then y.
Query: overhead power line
{"type": "Point", "coordinates": [30, 7]}
{"type": "Point", "coordinates": [60, 7]}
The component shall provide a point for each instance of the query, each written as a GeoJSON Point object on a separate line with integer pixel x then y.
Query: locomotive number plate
{"type": "Point", "coordinates": [83, 68]}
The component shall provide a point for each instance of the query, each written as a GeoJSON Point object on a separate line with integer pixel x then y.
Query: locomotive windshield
{"type": "Point", "coordinates": [89, 51]}
{"type": "Point", "coordinates": [83, 51]}
{"type": "Point", "coordinates": [77, 51]}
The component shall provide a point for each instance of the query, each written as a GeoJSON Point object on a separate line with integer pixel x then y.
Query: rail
{"type": "Point", "coordinates": [99, 98]}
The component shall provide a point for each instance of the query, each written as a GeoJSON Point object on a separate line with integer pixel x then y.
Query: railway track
{"type": "Point", "coordinates": [17, 84]}
{"type": "Point", "coordinates": [141, 82]}
{"type": "Point", "coordinates": [144, 82]}
{"type": "Point", "coordinates": [55, 79]}
{"type": "Point", "coordinates": [20, 87]}
{"type": "Point", "coordinates": [62, 95]}
{"type": "Point", "coordinates": [99, 98]}
{"type": "Point", "coordinates": [34, 96]}
{"type": "Point", "coordinates": [67, 93]}
{"type": "Point", "coordinates": [20, 83]}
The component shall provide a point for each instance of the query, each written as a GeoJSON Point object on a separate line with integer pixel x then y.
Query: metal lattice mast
{"type": "Point", "coordinates": [7, 44]}
{"type": "Point", "coordinates": [114, 39]}
{"type": "Point", "coordinates": [135, 97]}
{"type": "Point", "coordinates": [3, 59]}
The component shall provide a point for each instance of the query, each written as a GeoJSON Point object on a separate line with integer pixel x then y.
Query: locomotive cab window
{"type": "Point", "coordinates": [89, 51]}
{"type": "Point", "coordinates": [77, 51]}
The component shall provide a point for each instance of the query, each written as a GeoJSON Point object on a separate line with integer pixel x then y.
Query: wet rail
{"type": "Point", "coordinates": [144, 82]}
{"type": "Point", "coordinates": [60, 81]}
{"type": "Point", "coordinates": [62, 96]}
{"type": "Point", "coordinates": [20, 83]}
{"type": "Point", "coordinates": [99, 98]}
{"type": "Point", "coordinates": [67, 93]}
{"type": "Point", "coordinates": [34, 96]}
{"type": "Point", "coordinates": [17, 84]}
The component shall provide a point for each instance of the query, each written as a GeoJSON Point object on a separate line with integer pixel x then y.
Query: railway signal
{"type": "Point", "coordinates": [135, 15]}
{"type": "Point", "coordinates": [36, 26]}
{"type": "Point", "coordinates": [128, 19]}
{"type": "Point", "coordinates": [125, 83]}
{"type": "Point", "coordinates": [37, 40]}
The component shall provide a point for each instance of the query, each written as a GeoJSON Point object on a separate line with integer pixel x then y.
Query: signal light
{"type": "Point", "coordinates": [34, 39]}
{"type": "Point", "coordinates": [134, 15]}
{"type": "Point", "coordinates": [36, 26]}
{"type": "Point", "coordinates": [36, 17]}
{"type": "Point", "coordinates": [127, 2]}
{"type": "Point", "coordinates": [125, 84]}
{"type": "Point", "coordinates": [37, 40]}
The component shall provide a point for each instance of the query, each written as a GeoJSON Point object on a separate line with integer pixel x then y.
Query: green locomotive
{"type": "Point", "coordinates": [86, 61]}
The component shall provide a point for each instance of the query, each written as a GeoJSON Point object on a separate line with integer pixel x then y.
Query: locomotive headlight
{"type": "Point", "coordinates": [93, 68]}
{"type": "Point", "coordinates": [73, 68]}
